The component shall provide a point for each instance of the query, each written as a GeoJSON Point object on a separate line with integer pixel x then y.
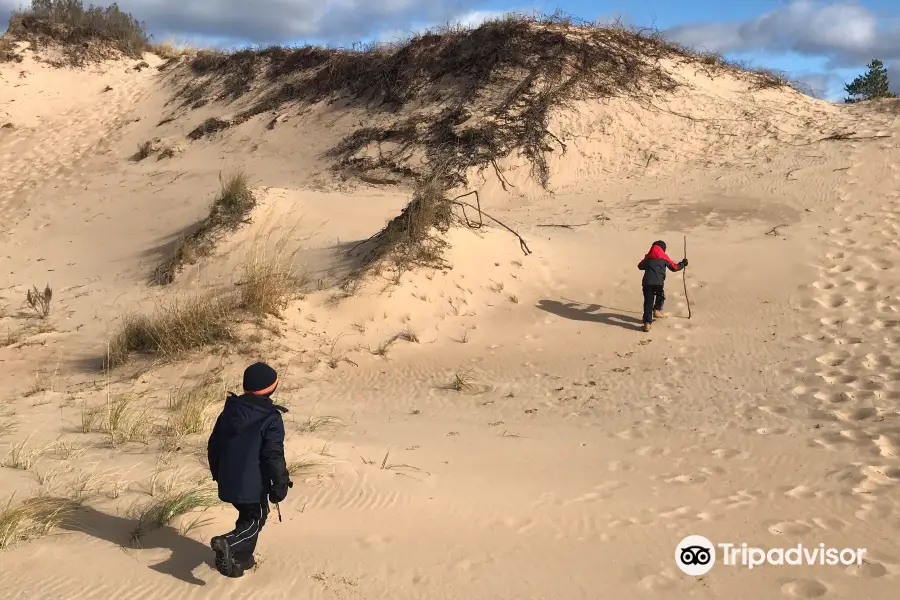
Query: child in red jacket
{"type": "Point", "coordinates": [654, 266]}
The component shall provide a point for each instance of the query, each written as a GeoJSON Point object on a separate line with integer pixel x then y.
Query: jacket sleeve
{"type": "Point", "coordinates": [212, 451]}
{"type": "Point", "coordinates": [271, 459]}
{"type": "Point", "coordinates": [642, 265]}
{"type": "Point", "coordinates": [672, 265]}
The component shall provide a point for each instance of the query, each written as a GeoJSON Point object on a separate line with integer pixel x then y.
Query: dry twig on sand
{"type": "Point", "coordinates": [684, 280]}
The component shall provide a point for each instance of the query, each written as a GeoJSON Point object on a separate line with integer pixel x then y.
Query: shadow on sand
{"type": "Point", "coordinates": [187, 554]}
{"type": "Point", "coordinates": [589, 312]}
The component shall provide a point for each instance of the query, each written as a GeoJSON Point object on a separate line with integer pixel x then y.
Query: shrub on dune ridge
{"type": "Point", "coordinates": [72, 26]}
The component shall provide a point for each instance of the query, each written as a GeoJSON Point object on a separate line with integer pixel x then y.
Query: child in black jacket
{"type": "Point", "coordinates": [246, 458]}
{"type": "Point", "coordinates": [654, 266]}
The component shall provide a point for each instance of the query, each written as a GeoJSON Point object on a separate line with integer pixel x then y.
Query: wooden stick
{"type": "Point", "coordinates": [684, 279]}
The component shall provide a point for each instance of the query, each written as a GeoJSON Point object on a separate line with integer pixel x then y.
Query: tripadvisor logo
{"type": "Point", "coordinates": [695, 555]}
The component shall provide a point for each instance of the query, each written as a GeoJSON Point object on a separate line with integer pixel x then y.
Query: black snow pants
{"type": "Point", "coordinates": [250, 521]}
{"type": "Point", "coordinates": [654, 299]}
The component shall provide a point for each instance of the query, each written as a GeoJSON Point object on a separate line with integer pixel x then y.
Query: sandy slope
{"type": "Point", "coordinates": [584, 450]}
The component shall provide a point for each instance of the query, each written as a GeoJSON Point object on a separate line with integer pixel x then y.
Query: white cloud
{"type": "Point", "coordinates": [846, 33]}
{"type": "Point", "coordinates": [474, 18]}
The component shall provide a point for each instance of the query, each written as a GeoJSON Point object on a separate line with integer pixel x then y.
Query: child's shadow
{"type": "Point", "coordinates": [187, 554]}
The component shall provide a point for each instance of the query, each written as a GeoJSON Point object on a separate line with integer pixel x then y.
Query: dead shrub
{"type": "Point", "coordinates": [144, 150]}
{"type": "Point", "coordinates": [39, 301]}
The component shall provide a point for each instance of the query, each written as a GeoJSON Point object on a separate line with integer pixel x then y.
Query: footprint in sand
{"type": "Point", "coordinates": [771, 431]}
{"type": "Point", "coordinates": [833, 359]}
{"type": "Point", "coordinates": [834, 301]}
{"type": "Point", "coordinates": [856, 414]}
{"type": "Point", "coordinates": [727, 453]}
{"type": "Point", "coordinates": [867, 570]}
{"type": "Point", "coordinates": [804, 588]}
{"type": "Point", "coordinates": [789, 528]}
{"type": "Point", "coordinates": [657, 583]}
{"type": "Point", "coordinates": [801, 492]}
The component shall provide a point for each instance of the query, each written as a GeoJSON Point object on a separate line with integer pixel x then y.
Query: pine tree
{"type": "Point", "coordinates": [873, 85]}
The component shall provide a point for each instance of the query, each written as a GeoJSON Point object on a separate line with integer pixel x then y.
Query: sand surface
{"type": "Point", "coordinates": [582, 451]}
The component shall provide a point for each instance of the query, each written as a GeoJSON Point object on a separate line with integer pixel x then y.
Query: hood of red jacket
{"type": "Point", "coordinates": [656, 253]}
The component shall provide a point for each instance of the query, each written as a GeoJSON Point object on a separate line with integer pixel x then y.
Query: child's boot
{"type": "Point", "coordinates": [225, 563]}
{"type": "Point", "coordinates": [658, 314]}
{"type": "Point", "coordinates": [646, 327]}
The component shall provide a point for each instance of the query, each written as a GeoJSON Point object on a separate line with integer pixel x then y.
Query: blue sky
{"type": "Point", "coordinates": [824, 43]}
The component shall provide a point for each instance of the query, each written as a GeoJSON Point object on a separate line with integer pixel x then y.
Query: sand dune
{"type": "Point", "coordinates": [499, 427]}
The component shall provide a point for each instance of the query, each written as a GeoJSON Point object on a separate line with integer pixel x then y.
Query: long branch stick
{"type": "Point", "coordinates": [684, 279]}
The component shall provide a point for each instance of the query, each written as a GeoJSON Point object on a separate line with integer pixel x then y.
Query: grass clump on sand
{"type": "Point", "coordinates": [123, 418]}
{"type": "Point", "coordinates": [33, 518]}
{"type": "Point", "coordinates": [270, 278]}
{"type": "Point", "coordinates": [166, 508]}
{"type": "Point", "coordinates": [178, 325]}
{"type": "Point", "coordinates": [229, 210]}
{"type": "Point", "coordinates": [83, 34]}
{"type": "Point", "coordinates": [302, 468]}
{"type": "Point", "coordinates": [190, 411]}
{"type": "Point", "coordinates": [182, 323]}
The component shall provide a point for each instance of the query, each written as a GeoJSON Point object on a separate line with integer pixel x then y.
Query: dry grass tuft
{"type": "Point", "coordinates": [463, 381]}
{"type": "Point", "coordinates": [383, 348]}
{"type": "Point", "coordinates": [178, 325]}
{"type": "Point", "coordinates": [170, 51]}
{"type": "Point", "coordinates": [8, 426]}
{"type": "Point", "coordinates": [313, 424]}
{"type": "Point", "coordinates": [121, 418]}
{"type": "Point", "coordinates": [166, 508]}
{"type": "Point", "coordinates": [408, 335]}
{"type": "Point", "coordinates": [144, 150]}
{"type": "Point", "coordinates": [33, 518]}
{"type": "Point", "coordinates": [229, 210]}
{"type": "Point", "coordinates": [190, 411]}
{"type": "Point", "coordinates": [39, 301]}
{"type": "Point", "coordinates": [23, 456]}
{"type": "Point", "coordinates": [302, 468]}
{"type": "Point", "coordinates": [270, 280]}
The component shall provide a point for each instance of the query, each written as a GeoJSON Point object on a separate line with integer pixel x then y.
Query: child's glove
{"type": "Point", "coordinates": [278, 493]}
{"type": "Point", "coordinates": [683, 263]}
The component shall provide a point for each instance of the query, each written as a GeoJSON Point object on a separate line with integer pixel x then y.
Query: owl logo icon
{"type": "Point", "coordinates": [695, 555]}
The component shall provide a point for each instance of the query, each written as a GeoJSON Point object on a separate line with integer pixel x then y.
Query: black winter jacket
{"type": "Point", "coordinates": [655, 264]}
{"type": "Point", "coordinates": [246, 449]}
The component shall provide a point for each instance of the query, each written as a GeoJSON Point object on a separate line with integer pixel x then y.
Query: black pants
{"type": "Point", "coordinates": [654, 298]}
{"type": "Point", "coordinates": [250, 521]}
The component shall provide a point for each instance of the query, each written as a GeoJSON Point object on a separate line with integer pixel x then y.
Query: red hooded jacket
{"type": "Point", "coordinates": [654, 266]}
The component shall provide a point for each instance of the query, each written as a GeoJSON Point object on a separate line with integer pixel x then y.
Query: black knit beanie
{"type": "Point", "coordinates": [260, 379]}
{"type": "Point", "coordinates": [661, 244]}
